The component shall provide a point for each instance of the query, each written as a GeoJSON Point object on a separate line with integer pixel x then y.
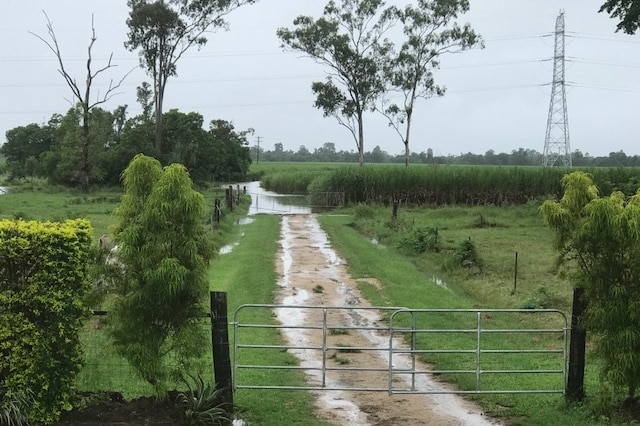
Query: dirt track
{"type": "Point", "coordinates": [311, 274]}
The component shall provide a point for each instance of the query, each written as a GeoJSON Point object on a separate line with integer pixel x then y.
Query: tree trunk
{"type": "Point", "coordinates": [84, 166]}
{"type": "Point", "coordinates": [360, 139]}
{"type": "Point", "coordinates": [158, 117]}
{"type": "Point", "coordinates": [406, 139]}
{"type": "Point", "coordinates": [577, 346]}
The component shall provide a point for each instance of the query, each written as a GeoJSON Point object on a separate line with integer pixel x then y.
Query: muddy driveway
{"type": "Point", "coordinates": [312, 274]}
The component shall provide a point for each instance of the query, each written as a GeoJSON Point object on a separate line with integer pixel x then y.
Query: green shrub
{"type": "Point", "coordinates": [165, 252]}
{"type": "Point", "coordinates": [419, 241]}
{"type": "Point", "coordinates": [466, 254]}
{"type": "Point", "coordinates": [43, 283]}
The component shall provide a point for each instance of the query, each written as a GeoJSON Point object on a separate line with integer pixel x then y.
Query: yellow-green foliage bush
{"type": "Point", "coordinates": [43, 280]}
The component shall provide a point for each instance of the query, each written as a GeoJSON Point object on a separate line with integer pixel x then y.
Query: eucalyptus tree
{"type": "Point", "coordinates": [599, 237]}
{"type": "Point", "coordinates": [430, 30]}
{"type": "Point", "coordinates": [628, 11]}
{"type": "Point", "coordinates": [164, 31]}
{"type": "Point", "coordinates": [349, 40]}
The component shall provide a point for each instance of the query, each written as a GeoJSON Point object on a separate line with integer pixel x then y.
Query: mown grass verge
{"type": "Point", "coordinates": [247, 274]}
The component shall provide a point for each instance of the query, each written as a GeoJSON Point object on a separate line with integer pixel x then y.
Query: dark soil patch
{"type": "Point", "coordinates": [110, 409]}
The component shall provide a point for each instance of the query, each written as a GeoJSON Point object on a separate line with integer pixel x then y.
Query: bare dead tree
{"type": "Point", "coordinates": [84, 99]}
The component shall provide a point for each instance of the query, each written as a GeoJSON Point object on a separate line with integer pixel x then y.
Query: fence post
{"type": "Point", "coordinates": [216, 210]}
{"type": "Point", "coordinates": [396, 205]}
{"type": "Point", "coordinates": [220, 347]}
{"type": "Point", "coordinates": [229, 196]}
{"type": "Point", "coordinates": [577, 345]}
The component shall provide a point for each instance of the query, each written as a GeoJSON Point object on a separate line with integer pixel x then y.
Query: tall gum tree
{"type": "Point", "coordinates": [164, 30]}
{"type": "Point", "coordinates": [429, 31]}
{"type": "Point", "coordinates": [348, 40]}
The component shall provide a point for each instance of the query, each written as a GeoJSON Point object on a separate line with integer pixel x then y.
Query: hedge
{"type": "Point", "coordinates": [43, 282]}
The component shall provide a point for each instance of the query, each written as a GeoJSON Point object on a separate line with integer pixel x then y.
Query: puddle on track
{"type": "Point", "coordinates": [307, 260]}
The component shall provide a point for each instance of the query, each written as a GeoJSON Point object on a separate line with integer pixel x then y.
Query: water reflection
{"type": "Point", "coordinates": [267, 202]}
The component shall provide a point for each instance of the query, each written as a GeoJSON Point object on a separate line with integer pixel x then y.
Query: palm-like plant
{"type": "Point", "coordinates": [202, 404]}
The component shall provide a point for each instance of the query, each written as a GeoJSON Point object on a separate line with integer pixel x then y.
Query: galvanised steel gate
{"type": "Point", "coordinates": [472, 347]}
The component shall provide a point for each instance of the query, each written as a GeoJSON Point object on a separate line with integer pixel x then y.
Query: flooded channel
{"type": "Point", "coordinates": [267, 202]}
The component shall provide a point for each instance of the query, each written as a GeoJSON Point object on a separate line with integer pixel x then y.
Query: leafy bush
{"type": "Point", "coordinates": [542, 299]}
{"type": "Point", "coordinates": [419, 241]}
{"type": "Point", "coordinates": [43, 283]}
{"type": "Point", "coordinates": [466, 254]}
{"type": "Point", "coordinates": [164, 253]}
{"type": "Point", "coordinates": [363, 211]}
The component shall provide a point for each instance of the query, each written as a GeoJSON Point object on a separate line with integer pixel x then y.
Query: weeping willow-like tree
{"type": "Point", "coordinates": [600, 238]}
{"type": "Point", "coordinates": [164, 253]}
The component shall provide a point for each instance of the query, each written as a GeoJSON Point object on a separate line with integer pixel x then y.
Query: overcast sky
{"type": "Point", "coordinates": [497, 98]}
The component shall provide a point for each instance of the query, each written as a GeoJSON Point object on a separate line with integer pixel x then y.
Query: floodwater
{"type": "Point", "coordinates": [267, 202]}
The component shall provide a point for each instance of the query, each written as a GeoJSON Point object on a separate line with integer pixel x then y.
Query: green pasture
{"type": "Point", "coordinates": [410, 282]}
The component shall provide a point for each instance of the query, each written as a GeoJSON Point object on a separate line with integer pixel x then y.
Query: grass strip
{"type": "Point", "coordinates": [248, 276]}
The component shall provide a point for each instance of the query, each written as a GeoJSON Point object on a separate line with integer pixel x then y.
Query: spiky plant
{"type": "Point", "coordinates": [202, 404]}
{"type": "Point", "coordinates": [14, 410]}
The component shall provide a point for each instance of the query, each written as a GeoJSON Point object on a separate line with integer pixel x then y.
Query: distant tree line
{"type": "Point", "coordinates": [517, 157]}
{"type": "Point", "coordinates": [55, 150]}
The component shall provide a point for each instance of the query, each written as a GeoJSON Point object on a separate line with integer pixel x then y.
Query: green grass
{"type": "Point", "coordinates": [407, 281]}
{"type": "Point", "coordinates": [247, 274]}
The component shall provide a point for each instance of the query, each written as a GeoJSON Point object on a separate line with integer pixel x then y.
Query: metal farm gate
{"type": "Point", "coordinates": [472, 346]}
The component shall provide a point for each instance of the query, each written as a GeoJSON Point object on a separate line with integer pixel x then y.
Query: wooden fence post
{"type": "Point", "coordinates": [577, 346]}
{"type": "Point", "coordinates": [216, 210]}
{"type": "Point", "coordinates": [229, 196]}
{"type": "Point", "coordinates": [220, 347]}
{"type": "Point", "coordinates": [396, 205]}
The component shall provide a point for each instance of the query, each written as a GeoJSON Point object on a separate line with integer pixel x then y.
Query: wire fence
{"type": "Point", "coordinates": [104, 370]}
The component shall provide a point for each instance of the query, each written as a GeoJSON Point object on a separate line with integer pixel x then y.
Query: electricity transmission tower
{"type": "Point", "coordinates": [557, 150]}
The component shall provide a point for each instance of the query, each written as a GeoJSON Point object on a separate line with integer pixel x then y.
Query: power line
{"type": "Point", "coordinates": [593, 61]}
{"type": "Point", "coordinates": [586, 36]}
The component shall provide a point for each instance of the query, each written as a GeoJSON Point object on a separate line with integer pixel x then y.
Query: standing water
{"type": "Point", "coordinates": [267, 202]}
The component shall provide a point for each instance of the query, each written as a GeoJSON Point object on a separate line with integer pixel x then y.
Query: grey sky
{"type": "Point", "coordinates": [497, 98]}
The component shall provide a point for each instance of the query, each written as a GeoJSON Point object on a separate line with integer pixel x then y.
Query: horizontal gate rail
{"type": "Point", "coordinates": [325, 327]}
{"type": "Point", "coordinates": [478, 351]}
